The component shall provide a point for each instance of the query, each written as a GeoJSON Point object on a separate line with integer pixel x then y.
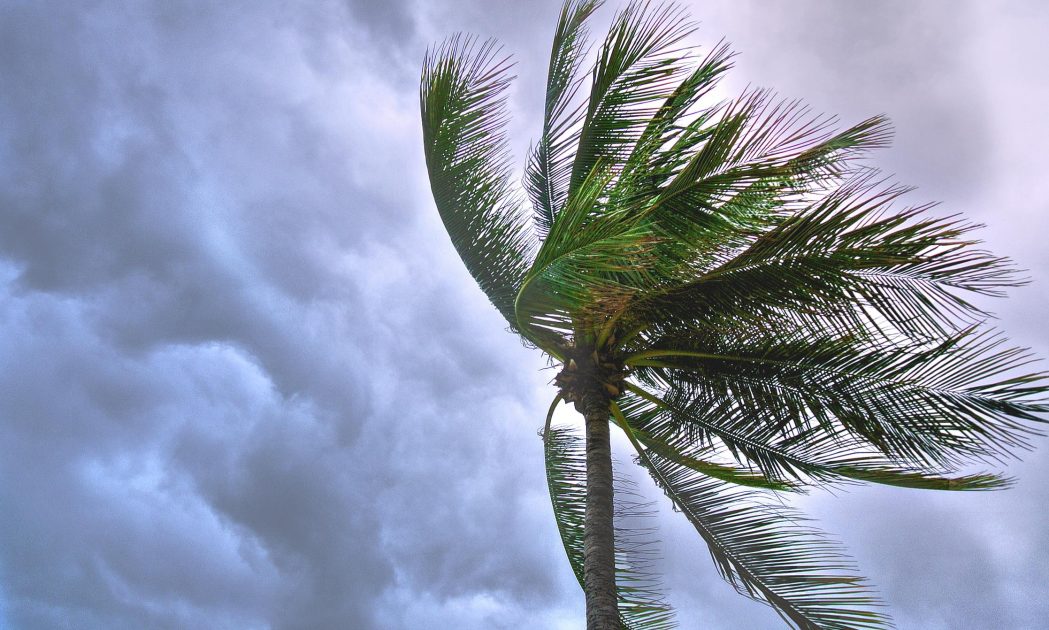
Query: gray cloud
{"type": "Point", "coordinates": [910, 61]}
{"type": "Point", "coordinates": [247, 384]}
{"type": "Point", "coordinates": [211, 360]}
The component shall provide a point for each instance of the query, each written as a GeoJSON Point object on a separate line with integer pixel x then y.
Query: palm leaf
{"type": "Point", "coordinates": [762, 550]}
{"type": "Point", "coordinates": [641, 604]}
{"type": "Point", "coordinates": [660, 441]}
{"type": "Point", "coordinates": [669, 125]}
{"type": "Point", "coordinates": [462, 98]}
{"type": "Point", "coordinates": [944, 405]}
{"type": "Point", "coordinates": [550, 166]}
{"type": "Point", "coordinates": [846, 264]}
{"type": "Point", "coordinates": [637, 69]}
{"type": "Point", "coordinates": [593, 256]}
{"type": "Point", "coordinates": [814, 456]}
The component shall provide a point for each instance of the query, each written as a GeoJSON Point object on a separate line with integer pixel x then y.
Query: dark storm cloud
{"type": "Point", "coordinates": [228, 348]}
{"type": "Point", "coordinates": [387, 21]}
{"type": "Point", "coordinates": [247, 383]}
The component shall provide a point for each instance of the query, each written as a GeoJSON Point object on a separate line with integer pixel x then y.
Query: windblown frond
{"type": "Point", "coordinates": [657, 153]}
{"type": "Point", "coordinates": [625, 247]}
{"type": "Point", "coordinates": [464, 118]}
{"type": "Point", "coordinates": [641, 603]}
{"type": "Point", "coordinates": [550, 166]}
{"type": "Point", "coordinates": [636, 420]}
{"type": "Point", "coordinates": [575, 261]}
{"type": "Point", "coordinates": [941, 406]}
{"type": "Point", "coordinates": [816, 455]}
{"type": "Point", "coordinates": [848, 259]}
{"type": "Point", "coordinates": [765, 552]}
{"type": "Point", "coordinates": [638, 67]}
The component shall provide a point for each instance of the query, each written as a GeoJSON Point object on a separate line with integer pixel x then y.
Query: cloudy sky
{"type": "Point", "coordinates": [245, 381]}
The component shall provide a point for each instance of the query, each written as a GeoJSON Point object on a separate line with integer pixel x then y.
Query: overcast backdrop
{"type": "Point", "coordinates": [245, 381]}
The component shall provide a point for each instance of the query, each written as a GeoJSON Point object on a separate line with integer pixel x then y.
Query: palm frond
{"type": "Point", "coordinates": [592, 256]}
{"type": "Point", "coordinates": [759, 138]}
{"type": "Point", "coordinates": [725, 183]}
{"type": "Point", "coordinates": [634, 420]}
{"type": "Point", "coordinates": [765, 552]}
{"type": "Point", "coordinates": [641, 603]}
{"type": "Point", "coordinates": [637, 69]}
{"type": "Point", "coordinates": [549, 168]}
{"type": "Point", "coordinates": [945, 405]}
{"type": "Point", "coordinates": [851, 260]}
{"type": "Point", "coordinates": [672, 129]}
{"type": "Point", "coordinates": [708, 426]}
{"type": "Point", "coordinates": [462, 98]}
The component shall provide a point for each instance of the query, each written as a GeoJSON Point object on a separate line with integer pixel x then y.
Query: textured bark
{"type": "Point", "coordinates": [599, 573]}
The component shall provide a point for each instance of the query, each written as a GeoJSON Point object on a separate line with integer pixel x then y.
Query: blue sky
{"type": "Point", "coordinates": [245, 381]}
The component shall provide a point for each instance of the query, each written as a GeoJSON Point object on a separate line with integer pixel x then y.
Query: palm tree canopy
{"type": "Point", "coordinates": [771, 312]}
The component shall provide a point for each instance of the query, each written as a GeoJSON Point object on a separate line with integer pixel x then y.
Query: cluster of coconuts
{"type": "Point", "coordinates": [584, 374]}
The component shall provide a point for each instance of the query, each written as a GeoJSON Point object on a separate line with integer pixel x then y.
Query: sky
{"type": "Point", "coordinates": [245, 381]}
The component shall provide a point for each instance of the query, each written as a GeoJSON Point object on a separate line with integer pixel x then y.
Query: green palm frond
{"type": "Point", "coordinates": [677, 118]}
{"type": "Point", "coordinates": [765, 552]}
{"type": "Point", "coordinates": [813, 456]}
{"type": "Point", "coordinates": [845, 257]}
{"type": "Point", "coordinates": [758, 138]}
{"type": "Point", "coordinates": [944, 405]}
{"type": "Point", "coordinates": [549, 169]}
{"type": "Point", "coordinates": [641, 602]}
{"type": "Point", "coordinates": [626, 251]}
{"type": "Point", "coordinates": [591, 256]}
{"type": "Point", "coordinates": [638, 67]}
{"type": "Point", "coordinates": [742, 167]}
{"type": "Point", "coordinates": [462, 98]}
{"type": "Point", "coordinates": [636, 420]}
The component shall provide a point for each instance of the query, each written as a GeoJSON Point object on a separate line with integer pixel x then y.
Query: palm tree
{"type": "Point", "coordinates": [737, 292]}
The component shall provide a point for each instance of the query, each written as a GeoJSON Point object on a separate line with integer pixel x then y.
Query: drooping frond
{"type": "Point", "coordinates": [550, 165]}
{"type": "Point", "coordinates": [641, 603]}
{"type": "Point", "coordinates": [566, 480]}
{"type": "Point", "coordinates": [765, 552]}
{"type": "Point", "coordinates": [463, 119]}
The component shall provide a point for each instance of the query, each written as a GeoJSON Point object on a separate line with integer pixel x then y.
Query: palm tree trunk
{"type": "Point", "coordinates": [599, 573]}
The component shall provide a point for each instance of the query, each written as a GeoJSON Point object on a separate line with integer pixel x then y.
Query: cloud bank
{"type": "Point", "coordinates": [246, 383]}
